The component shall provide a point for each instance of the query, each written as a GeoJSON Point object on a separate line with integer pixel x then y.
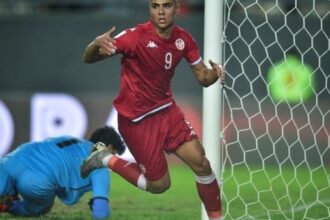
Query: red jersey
{"type": "Point", "coordinates": [147, 67]}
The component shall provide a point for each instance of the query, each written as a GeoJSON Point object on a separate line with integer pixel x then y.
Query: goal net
{"type": "Point", "coordinates": [276, 110]}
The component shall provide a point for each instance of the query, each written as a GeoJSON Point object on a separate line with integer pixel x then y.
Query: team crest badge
{"type": "Point", "coordinates": [179, 43]}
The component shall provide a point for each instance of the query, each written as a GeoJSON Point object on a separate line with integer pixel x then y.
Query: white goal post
{"type": "Point", "coordinates": [212, 95]}
{"type": "Point", "coordinates": [274, 159]}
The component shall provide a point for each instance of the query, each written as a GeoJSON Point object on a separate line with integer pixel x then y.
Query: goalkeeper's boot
{"type": "Point", "coordinates": [94, 161]}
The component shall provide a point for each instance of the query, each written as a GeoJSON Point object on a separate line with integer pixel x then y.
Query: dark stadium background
{"type": "Point", "coordinates": [42, 42]}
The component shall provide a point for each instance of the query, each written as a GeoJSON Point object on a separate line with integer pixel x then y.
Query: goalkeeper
{"type": "Point", "coordinates": [36, 172]}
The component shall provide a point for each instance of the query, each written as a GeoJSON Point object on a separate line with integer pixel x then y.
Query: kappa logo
{"type": "Point", "coordinates": [152, 44]}
{"type": "Point", "coordinates": [127, 164]}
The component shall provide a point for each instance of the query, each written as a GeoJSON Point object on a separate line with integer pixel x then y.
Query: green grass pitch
{"type": "Point", "coordinates": [247, 194]}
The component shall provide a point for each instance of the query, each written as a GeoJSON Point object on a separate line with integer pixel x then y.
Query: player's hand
{"type": "Point", "coordinates": [219, 70]}
{"type": "Point", "coordinates": [106, 42]}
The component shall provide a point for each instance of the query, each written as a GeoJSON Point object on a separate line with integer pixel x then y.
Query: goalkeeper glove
{"type": "Point", "coordinates": [100, 207]}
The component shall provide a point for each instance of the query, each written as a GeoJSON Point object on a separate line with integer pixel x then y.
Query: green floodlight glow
{"type": "Point", "coordinates": [291, 80]}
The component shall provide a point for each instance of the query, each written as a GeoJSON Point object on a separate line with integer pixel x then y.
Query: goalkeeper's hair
{"type": "Point", "coordinates": [108, 135]}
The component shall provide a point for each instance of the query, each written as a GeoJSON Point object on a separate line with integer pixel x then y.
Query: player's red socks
{"type": "Point", "coordinates": [207, 186]}
{"type": "Point", "coordinates": [130, 171]}
{"type": "Point", "coordinates": [209, 192]}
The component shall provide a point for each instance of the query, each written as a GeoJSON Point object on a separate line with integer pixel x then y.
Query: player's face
{"type": "Point", "coordinates": [162, 13]}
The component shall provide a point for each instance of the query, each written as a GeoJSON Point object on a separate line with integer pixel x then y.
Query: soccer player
{"type": "Point", "coordinates": [37, 172]}
{"type": "Point", "coordinates": [149, 119]}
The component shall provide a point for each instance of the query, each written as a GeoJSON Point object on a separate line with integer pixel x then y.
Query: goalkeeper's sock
{"type": "Point", "coordinates": [130, 171]}
{"type": "Point", "coordinates": [209, 192]}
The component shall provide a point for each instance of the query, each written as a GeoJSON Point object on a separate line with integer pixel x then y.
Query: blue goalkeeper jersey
{"type": "Point", "coordinates": [42, 170]}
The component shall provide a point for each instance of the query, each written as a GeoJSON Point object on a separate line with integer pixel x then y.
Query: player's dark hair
{"type": "Point", "coordinates": [108, 135]}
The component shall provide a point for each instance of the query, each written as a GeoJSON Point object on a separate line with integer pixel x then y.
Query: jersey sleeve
{"type": "Point", "coordinates": [126, 42]}
{"type": "Point", "coordinates": [192, 54]}
{"type": "Point", "coordinates": [100, 183]}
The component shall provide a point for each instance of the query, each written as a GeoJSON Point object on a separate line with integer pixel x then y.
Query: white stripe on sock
{"type": "Point", "coordinates": [142, 182]}
{"type": "Point", "coordinates": [220, 218]}
{"type": "Point", "coordinates": [106, 159]}
{"type": "Point", "coordinates": [205, 179]}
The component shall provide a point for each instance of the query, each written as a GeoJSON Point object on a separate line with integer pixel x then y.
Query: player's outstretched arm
{"type": "Point", "coordinates": [101, 47]}
{"type": "Point", "coordinates": [206, 76]}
